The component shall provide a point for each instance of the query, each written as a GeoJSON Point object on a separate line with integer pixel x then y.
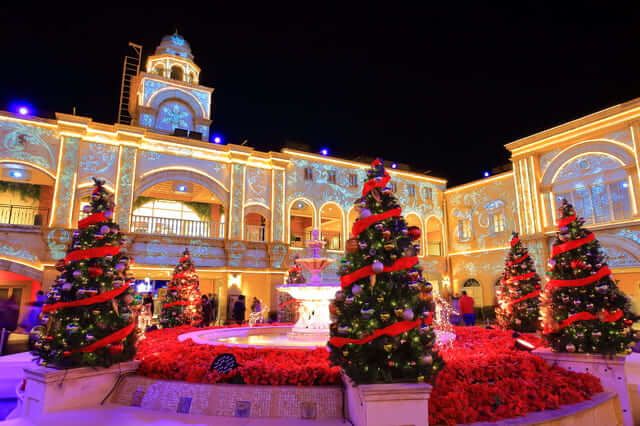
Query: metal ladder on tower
{"type": "Point", "coordinates": [130, 69]}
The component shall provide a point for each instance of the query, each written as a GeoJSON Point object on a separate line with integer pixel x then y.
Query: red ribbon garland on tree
{"type": "Point", "coordinates": [520, 259]}
{"type": "Point", "coordinates": [514, 241]}
{"type": "Point", "coordinates": [114, 337]}
{"type": "Point", "coordinates": [178, 303]}
{"type": "Point", "coordinates": [580, 282]}
{"type": "Point", "coordinates": [91, 220]}
{"type": "Point", "coordinates": [571, 245]}
{"type": "Point", "coordinates": [566, 221]}
{"type": "Point", "coordinates": [91, 253]}
{"type": "Point", "coordinates": [362, 224]}
{"type": "Point", "coordinates": [365, 271]}
{"type": "Point", "coordinates": [99, 298]}
{"type": "Point", "coordinates": [522, 277]}
{"type": "Point", "coordinates": [525, 297]}
{"type": "Point", "coordinates": [375, 183]}
{"type": "Point", "coordinates": [603, 316]}
{"type": "Point", "coordinates": [392, 330]}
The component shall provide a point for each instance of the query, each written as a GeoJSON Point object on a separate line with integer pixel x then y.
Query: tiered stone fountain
{"type": "Point", "coordinates": [313, 296]}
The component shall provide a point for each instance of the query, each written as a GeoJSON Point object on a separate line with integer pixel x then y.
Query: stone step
{"type": "Point", "coordinates": [241, 401]}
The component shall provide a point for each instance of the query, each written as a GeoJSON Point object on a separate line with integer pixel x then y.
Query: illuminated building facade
{"type": "Point", "coordinates": [245, 214]}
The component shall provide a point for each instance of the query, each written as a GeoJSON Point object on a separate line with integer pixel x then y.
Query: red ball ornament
{"type": "Point", "coordinates": [66, 354]}
{"type": "Point", "coordinates": [116, 349]}
{"type": "Point", "coordinates": [414, 232]}
{"type": "Point", "coordinates": [95, 271]}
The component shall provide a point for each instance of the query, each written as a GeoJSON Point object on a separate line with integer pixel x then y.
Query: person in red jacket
{"type": "Point", "coordinates": [466, 309]}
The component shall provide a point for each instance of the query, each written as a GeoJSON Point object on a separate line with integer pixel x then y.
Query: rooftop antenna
{"type": "Point", "coordinates": [130, 69]}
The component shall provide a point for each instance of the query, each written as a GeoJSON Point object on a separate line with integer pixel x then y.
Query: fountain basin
{"type": "Point", "coordinates": [278, 337]}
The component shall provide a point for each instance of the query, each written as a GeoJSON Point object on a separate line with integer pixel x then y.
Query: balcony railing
{"type": "Point", "coordinates": [333, 239]}
{"type": "Point", "coordinates": [254, 232]}
{"type": "Point", "coordinates": [434, 248]}
{"type": "Point", "coordinates": [23, 215]}
{"type": "Point", "coordinates": [176, 227]}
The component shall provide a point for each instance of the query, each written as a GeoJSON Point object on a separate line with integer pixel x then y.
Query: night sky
{"type": "Point", "coordinates": [440, 88]}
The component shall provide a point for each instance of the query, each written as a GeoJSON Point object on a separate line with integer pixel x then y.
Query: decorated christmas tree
{"type": "Point", "coordinates": [582, 308]}
{"type": "Point", "coordinates": [519, 290]}
{"type": "Point", "coordinates": [182, 303]}
{"type": "Point", "coordinates": [381, 323]}
{"type": "Point", "coordinates": [87, 318]}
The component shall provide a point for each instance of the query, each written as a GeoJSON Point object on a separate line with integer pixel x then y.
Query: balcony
{"type": "Point", "coordinates": [434, 248]}
{"type": "Point", "coordinates": [23, 215]}
{"type": "Point", "coordinates": [333, 239]}
{"type": "Point", "coordinates": [254, 233]}
{"type": "Point", "coordinates": [176, 227]}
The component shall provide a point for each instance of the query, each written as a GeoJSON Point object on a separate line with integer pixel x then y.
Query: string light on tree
{"type": "Point", "coordinates": [381, 329]}
{"type": "Point", "coordinates": [182, 302]}
{"type": "Point", "coordinates": [88, 318]}
{"type": "Point", "coordinates": [582, 308]}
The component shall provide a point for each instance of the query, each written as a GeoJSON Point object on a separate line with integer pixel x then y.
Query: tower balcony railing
{"type": "Point", "coordinates": [176, 227]}
{"type": "Point", "coordinates": [254, 232]}
{"type": "Point", "coordinates": [11, 214]}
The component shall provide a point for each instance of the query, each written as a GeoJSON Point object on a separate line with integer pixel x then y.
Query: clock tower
{"type": "Point", "coordinates": [169, 98]}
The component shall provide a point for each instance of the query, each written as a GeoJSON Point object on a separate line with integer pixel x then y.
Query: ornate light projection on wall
{"type": "Point", "coordinates": [125, 186]}
{"type": "Point", "coordinates": [236, 216]}
{"type": "Point", "coordinates": [63, 196]}
{"type": "Point", "coordinates": [278, 206]}
{"type": "Point", "coordinates": [30, 144]}
{"type": "Point", "coordinates": [97, 160]}
{"type": "Point", "coordinates": [258, 186]}
{"type": "Point", "coordinates": [174, 115]}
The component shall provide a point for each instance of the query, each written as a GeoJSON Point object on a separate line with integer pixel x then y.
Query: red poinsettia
{"type": "Point", "coordinates": [484, 379]}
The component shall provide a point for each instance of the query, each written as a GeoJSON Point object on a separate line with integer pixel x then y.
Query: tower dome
{"type": "Point", "coordinates": [174, 44]}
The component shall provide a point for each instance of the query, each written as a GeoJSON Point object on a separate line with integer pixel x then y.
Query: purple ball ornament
{"type": "Point", "coordinates": [77, 273]}
{"type": "Point", "coordinates": [120, 267]}
{"type": "Point", "coordinates": [356, 290]}
{"type": "Point", "coordinates": [86, 209]}
{"type": "Point", "coordinates": [105, 229]}
{"type": "Point", "coordinates": [365, 213]}
{"type": "Point", "coordinates": [407, 315]}
{"type": "Point", "coordinates": [377, 267]}
{"type": "Point", "coordinates": [108, 214]}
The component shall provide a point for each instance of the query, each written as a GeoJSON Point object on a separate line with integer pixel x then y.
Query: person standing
{"type": "Point", "coordinates": [213, 301]}
{"type": "Point", "coordinates": [239, 309]}
{"type": "Point", "coordinates": [206, 311]}
{"type": "Point", "coordinates": [455, 307]}
{"type": "Point", "coordinates": [9, 312]}
{"type": "Point", "coordinates": [466, 309]}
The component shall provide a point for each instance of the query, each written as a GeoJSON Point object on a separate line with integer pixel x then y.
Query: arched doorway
{"type": "Point", "coordinates": [331, 226]}
{"type": "Point", "coordinates": [20, 287]}
{"type": "Point", "coordinates": [301, 221]}
{"type": "Point", "coordinates": [413, 219]}
{"type": "Point", "coordinates": [255, 226]}
{"type": "Point", "coordinates": [434, 237]}
{"type": "Point", "coordinates": [26, 194]}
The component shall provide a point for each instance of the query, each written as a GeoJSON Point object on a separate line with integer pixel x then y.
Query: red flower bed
{"type": "Point", "coordinates": [163, 357]}
{"type": "Point", "coordinates": [484, 379]}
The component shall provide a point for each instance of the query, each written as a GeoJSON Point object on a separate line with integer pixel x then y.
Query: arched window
{"type": "Point", "coordinates": [174, 115]}
{"type": "Point", "coordinates": [192, 77]}
{"type": "Point", "coordinates": [471, 282]}
{"type": "Point", "coordinates": [331, 226]}
{"type": "Point", "coordinates": [413, 219]}
{"type": "Point", "coordinates": [255, 226]}
{"type": "Point", "coordinates": [300, 222]}
{"type": "Point", "coordinates": [434, 237]}
{"type": "Point", "coordinates": [159, 70]}
{"type": "Point", "coordinates": [177, 73]}
{"type": "Point", "coordinates": [597, 185]}
{"type": "Point", "coordinates": [496, 216]}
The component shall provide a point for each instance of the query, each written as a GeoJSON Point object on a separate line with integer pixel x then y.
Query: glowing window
{"type": "Point", "coordinates": [308, 173]}
{"type": "Point", "coordinates": [353, 180]}
{"type": "Point", "coordinates": [331, 176]}
{"type": "Point", "coordinates": [177, 73]}
{"type": "Point", "coordinates": [464, 229]}
{"type": "Point", "coordinates": [411, 190]}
